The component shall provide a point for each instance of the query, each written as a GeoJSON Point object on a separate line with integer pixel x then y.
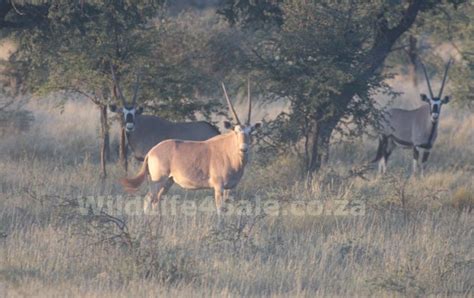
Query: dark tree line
{"type": "Point", "coordinates": [326, 58]}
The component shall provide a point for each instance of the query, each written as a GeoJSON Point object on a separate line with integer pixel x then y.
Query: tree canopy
{"type": "Point", "coordinates": [325, 58]}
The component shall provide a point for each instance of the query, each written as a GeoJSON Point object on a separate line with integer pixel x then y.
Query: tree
{"type": "Point", "coordinates": [453, 26]}
{"type": "Point", "coordinates": [74, 45]}
{"type": "Point", "coordinates": [327, 59]}
{"type": "Point", "coordinates": [249, 13]}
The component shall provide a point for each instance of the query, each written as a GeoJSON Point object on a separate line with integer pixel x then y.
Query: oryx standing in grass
{"type": "Point", "coordinates": [217, 163]}
{"type": "Point", "coordinates": [412, 129]}
{"type": "Point", "coordinates": [144, 131]}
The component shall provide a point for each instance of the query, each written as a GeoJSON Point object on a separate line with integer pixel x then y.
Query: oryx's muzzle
{"type": "Point", "coordinates": [129, 119]}
{"type": "Point", "coordinates": [435, 109]}
{"type": "Point", "coordinates": [129, 127]}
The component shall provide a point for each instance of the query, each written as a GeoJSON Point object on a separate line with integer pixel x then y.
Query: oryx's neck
{"type": "Point", "coordinates": [229, 145]}
{"type": "Point", "coordinates": [238, 157]}
{"type": "Point", "coordinates": [430, 128]}
{"type": "Point", "coordinates": [434, 128]}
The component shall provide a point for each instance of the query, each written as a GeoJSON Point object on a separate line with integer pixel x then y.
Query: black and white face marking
{"type": "Point", "coordinates": [129, 118]}
{"type": "Point", "coordinates": [129, 115]}
{"type": "Point", "coordinates": [435, 105]}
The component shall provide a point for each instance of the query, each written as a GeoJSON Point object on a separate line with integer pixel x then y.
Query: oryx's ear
{"type": "Point", "coordinates": [139, 110]}
{"type": "Point", "coordinates": [113, 108]}
{"type": "Point", "coordinates": [227, 124]}
{"type": "Point", "coordinates": [445, 100]}
{"type": "Point", "coordinates": [257, 126]}
{"type": "Point", "coordinates": [424, 97]}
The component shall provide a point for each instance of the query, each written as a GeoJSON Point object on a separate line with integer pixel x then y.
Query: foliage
{"type": "Point", "coordinates": [453, 28]}
{"type": "Point", "coordinates": [320, 49]}
{"type": "Point", "coordinates": [248, 13]}
{"type": "Point", "coordinates": [181, 81]}
{"type": "Point", "coordinates": [13, 118]}
{"type": "Point", "coordinates": [326, 59]}
{"type": "Point", "coordinates": [73, 53]}
{"type": "Point", "coordinates": [74, 46]}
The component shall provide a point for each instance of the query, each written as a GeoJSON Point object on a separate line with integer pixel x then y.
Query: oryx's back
{"type": "Point", "coordinates": [187, 162]}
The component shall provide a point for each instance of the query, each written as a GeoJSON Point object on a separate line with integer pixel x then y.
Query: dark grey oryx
{"type": "Point", "coordinates": [144, 132]}
{"type": "Point", "coordinates": [412, 129]}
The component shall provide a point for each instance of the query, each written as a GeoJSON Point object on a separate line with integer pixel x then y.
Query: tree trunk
{"type": "Point", "coordinates": [105, 143]}
{"type": "Point", "coordinates": [105, 131]}
{"type": "Point", "coordinates": [320, 139]}
{"type": "Point", "coordinates": [123, 149]}
{"type": "Point", "coordinates": [413, 55]}
{"type": "Point", "coordinates": [325, 138]}
{"type": "Point", "coordinates": [315, 155]}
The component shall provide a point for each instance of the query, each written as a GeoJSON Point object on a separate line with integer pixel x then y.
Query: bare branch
{"type": "Point", "coordinates": [137, 86]}
{"type": "Point", "coordinates": [117, 85]}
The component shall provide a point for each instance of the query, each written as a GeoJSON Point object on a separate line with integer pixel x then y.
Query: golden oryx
{"type": "Point", "coordinates": [217, 163]}
{"type": "Point", "coordinates": [145, 131]}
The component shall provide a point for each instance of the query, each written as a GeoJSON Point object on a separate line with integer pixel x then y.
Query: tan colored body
{"type": "Point", "coordinates": [217, 163]}
{"type": "Point", "coordinates": [197, 165]}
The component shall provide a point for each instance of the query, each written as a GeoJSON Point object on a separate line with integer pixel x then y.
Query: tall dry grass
{"type": "Point", "coordinates": [396, 236]}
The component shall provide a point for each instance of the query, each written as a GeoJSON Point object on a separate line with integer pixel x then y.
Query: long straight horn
{"type": "Point", "coordinates": [117, 84]}
{"type": "Point", "coordinates": [135, 92]}
{"type": "Point", "coordinates": [249, 101]}
{"type": "Point", "coordinates": [444, 78]}
{"type": "Point", "coordinates": [427, 80]}
{"type": "Point", "coordinates": [231, 107]}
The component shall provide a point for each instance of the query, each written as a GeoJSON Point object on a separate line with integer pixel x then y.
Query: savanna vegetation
{"type": "Point", "coordinates": [309, 218]}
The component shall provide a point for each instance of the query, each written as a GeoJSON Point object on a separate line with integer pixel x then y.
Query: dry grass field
{"type": "Point", "coordinates": [341, 236]}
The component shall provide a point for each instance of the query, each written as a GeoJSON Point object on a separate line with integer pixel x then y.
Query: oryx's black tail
{"type": "Point", "coordinates": [381, 150]}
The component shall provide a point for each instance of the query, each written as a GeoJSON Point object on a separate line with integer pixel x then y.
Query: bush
{"type": "Point", "coordinates": [14, 122]}
{"type": "Point", "coordinates": [463, 199]}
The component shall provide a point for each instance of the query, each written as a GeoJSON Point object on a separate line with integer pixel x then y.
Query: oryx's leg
{"type": "Point", "coordinates": [156, 203]}
{"type": "Point", "coordinates": [218, 196]}
{"type": "Point", "coordinates": [382, 166]}
{"type": "Point", "coordinates": [225, 199]}
{"type": "Point", "coordinates": [153, 195]}
{"type": "Point", "coordinates": [424, 159]}
{"type": "Point", "coordinates": [381, 153]}
{"type": "Point", "coordinates": [226, 195]}
{"type": "Point", "coordinates": [150, 197]}
{"type": "Point", "coordinates": [389, 146]}
{"type": "Point", "coordinates": [416, 156]}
